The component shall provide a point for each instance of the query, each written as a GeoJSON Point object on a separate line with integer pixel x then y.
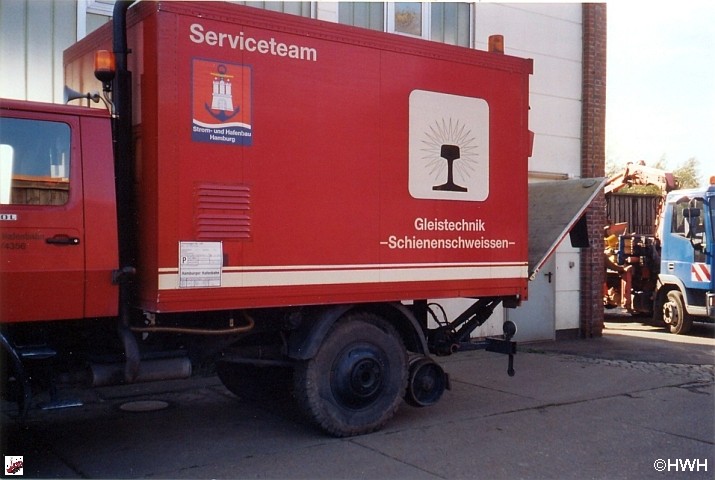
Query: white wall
{"type": "Point", "coordinates": [327, 11]}
{"type": "Point", "coordinates": [551, 34]}
{"type": "Point", "coordinates": [33, 35]}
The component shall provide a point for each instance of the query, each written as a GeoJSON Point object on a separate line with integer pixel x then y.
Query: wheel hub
{"type": "Point", "coordinates": [357, 377]}
{"type": "Point", "coordinates": [670, 314]}
{"type": "Point", "coordinates": [365, 377]}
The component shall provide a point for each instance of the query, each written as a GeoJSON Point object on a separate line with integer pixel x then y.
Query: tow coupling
{"type": "Point", "coordinates": [504, 345]}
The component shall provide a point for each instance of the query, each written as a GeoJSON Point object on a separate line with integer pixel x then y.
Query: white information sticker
{"type": "Point", "coordinates": [200, 264]}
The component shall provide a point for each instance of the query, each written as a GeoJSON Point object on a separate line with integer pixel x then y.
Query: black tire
{"type": "Point", "coordinates": [675, 315]}
{"type": "Point", "coordinates": [356, 381]}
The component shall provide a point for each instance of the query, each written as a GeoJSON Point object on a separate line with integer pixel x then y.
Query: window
{"type": "Point", "coordinates": [91, 14]}
{"type": "Point", "coordinates": [447, 22]}
{"type": "Point", "coordinates": [34, 162]}
{"type": "Point", "coordinates": [302, 9]}
{"type": "Point", "coordinates": [106, 7]}
{"type": "Point", "coordinates": [688, 220]}
{"type": "Point", "coordinates": [451, 23]}
{"type": "Point", "coordinates": [408, 18]}
{"type": "Point", "coordinates": [363, 14]}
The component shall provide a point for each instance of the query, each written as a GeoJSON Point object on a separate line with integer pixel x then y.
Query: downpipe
{"type": "Point", "coordinates": [124, 184]}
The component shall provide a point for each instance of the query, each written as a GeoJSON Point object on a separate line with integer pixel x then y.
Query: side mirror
{"type": "Point", "coordinates": [691, 212]}
{"type": "Point", "coordinates": [692, 216]}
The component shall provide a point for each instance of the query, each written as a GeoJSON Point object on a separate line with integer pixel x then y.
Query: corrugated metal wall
{"type": "Point", "coordinates": [639, 211]}
{"type": "Point", "coordinates": [33, 34]}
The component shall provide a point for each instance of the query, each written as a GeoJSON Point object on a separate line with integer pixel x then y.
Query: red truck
{"type": "Point", "coordinates": [266, 192]}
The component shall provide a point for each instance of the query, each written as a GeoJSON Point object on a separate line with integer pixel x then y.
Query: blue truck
{"type": "Point", "coordinates": [669, 275]}
{"type": "Point", "coordinates": [684, 287]}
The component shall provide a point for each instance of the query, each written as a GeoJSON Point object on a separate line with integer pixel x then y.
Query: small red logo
{"type": "Point", "coordinates": [13, 465]}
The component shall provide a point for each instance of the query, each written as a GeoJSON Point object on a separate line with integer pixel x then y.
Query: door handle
{"type": "Point", "coordinates": [62, 239]}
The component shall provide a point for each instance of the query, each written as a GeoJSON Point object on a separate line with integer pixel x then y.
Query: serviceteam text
{"type": "Point", "coordinates": [241, 42]}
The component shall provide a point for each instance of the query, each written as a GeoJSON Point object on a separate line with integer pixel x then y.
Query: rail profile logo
{"type": "Point", "coordinates": [221, 104]}
{"type": "Point", "coordinates": [13, 465]}
{"type": "Point", "coordinates": [448, 147]}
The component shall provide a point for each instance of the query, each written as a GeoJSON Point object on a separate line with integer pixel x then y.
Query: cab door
{"type": "Point", "coordinates": [42, 261]}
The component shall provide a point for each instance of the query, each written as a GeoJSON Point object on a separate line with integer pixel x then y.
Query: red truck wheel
{"type": "Point", "coordinates": [356, 381]}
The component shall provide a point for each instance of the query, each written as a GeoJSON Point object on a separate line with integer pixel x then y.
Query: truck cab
{"type": "Point", "coordinates": [56, 179]}
{"type": "Point", "coordinates": [685, 282]}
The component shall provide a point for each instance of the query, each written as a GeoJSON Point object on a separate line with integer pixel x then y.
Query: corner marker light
{"type": "Point", "coordinates": [496, 43]}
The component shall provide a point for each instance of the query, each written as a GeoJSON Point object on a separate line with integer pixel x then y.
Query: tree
{"type": "Point", "coordinates": [612, 168]}
{"type": "Point", "coordinates": [687, 173]}
{"type": "Point", "coordinates": [661, 164]}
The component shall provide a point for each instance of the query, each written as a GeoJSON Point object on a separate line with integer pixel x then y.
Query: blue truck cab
{"type": "Point", "coordinates": [685, 284]}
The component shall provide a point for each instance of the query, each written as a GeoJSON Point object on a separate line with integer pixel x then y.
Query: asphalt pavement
{"type": "Point", "coordinates": [637, 403]}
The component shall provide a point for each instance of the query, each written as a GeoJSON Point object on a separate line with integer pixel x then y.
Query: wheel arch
{"type": "Point", "coordinates": [659, 300]}
{"type": "Point", "coordinates": [668, 283]}
{"type": "Point", "coordinates": [303, 343]}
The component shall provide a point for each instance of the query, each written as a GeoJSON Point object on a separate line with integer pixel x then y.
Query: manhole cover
{"type": "Point", "coordinates": [144, 406]}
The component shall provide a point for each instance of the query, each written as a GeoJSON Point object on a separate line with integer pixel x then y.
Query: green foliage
{"type": "Point", "coordinates": [612, 168]}
{"type": "Point", "coordinates": [640, 190]}
{"type": "Point", "coordinates": [661, 164]}
{"type": "Point", "coordinates": [687, 173]}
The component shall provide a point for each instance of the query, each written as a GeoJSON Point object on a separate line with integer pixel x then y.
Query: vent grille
{"type": "Point", "coordinates": [222, 212]}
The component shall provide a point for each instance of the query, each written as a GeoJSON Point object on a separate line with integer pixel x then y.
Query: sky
{"type": "Point", "coordinates": [661, 83]}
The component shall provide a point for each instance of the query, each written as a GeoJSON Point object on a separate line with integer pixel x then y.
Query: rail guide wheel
{"type": "Point", "coordinates": [427, 382]}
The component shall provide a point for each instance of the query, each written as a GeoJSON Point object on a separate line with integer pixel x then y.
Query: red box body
{"type": "Point", "coordinates": [302, 162]}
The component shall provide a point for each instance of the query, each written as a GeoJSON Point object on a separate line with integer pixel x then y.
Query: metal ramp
{"type": "Point", "coordinates": [554, 208]}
